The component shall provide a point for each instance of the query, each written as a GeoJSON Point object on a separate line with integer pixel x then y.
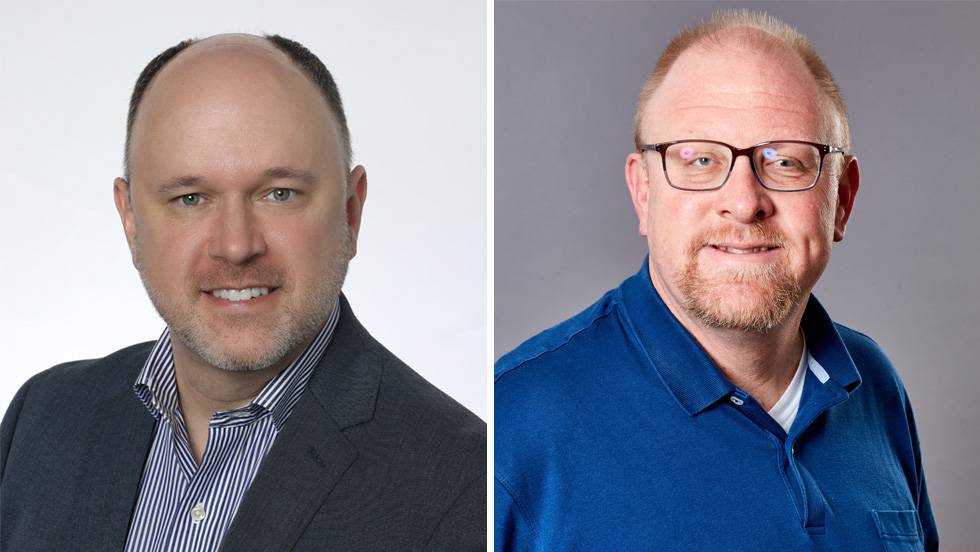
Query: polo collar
{"type": "Point", "coordinates": [684, 367]}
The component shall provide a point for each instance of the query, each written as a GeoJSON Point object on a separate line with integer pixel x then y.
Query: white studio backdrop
{"type": "Point", "coordinates": [413, 78]}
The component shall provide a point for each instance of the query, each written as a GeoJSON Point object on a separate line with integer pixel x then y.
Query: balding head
{"type": "Point", "coordinates": [748, 30]}
{"type": "Point", "coordinates": [273, 49]}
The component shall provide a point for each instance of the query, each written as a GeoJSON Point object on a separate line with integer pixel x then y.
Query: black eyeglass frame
{"type": "Point", "coordinates": [736, 152]}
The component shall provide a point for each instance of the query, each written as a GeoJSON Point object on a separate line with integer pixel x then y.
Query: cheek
{"type": "Point", "coordinates": [306, 241]}
{"type": "Point", "coordinates": [671, 223]}
{"type": "Point", "coordinates": [670, 228]}
{"type": "Point", "coordinates": [823, 222]}
{"type": "Point", "coordinates": [169, 252]}
{"type": "Point", "coordinates": [811, 227]}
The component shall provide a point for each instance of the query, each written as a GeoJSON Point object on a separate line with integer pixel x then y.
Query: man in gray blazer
{"type": "Point", "coordinates": [265, 417]}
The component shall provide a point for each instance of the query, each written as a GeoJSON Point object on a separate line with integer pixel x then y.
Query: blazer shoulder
{"type": "Point", "coordinates": [360, 381]}
{"type": "Point", "coordinates": [413, 396]}
{"type": "Point", "coordinates": [84, 381]}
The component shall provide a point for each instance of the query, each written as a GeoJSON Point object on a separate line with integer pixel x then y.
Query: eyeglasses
{"type": "Point", "coordinates": [784, 166]}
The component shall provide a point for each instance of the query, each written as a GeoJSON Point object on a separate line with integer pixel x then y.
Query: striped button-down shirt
{"type": "Point", "coordinates": [183, 506]}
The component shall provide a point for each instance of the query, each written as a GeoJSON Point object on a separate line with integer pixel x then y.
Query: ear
{"type": "Point", "coordinates": [120, 191]}
{"type": "Point", "coordinates": [639, 185]}
{"type": "Point", "coordinates": [356, 194]}
{"type": "Point", "coordinates": [847, 189]}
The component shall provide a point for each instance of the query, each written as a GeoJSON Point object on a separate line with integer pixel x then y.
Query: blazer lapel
{"type": "Point", "coordinates": [311, 454]}
{"type": "Point", "coordinates": [294, 480]}
{"type": "Point", "coordinates": [118, 459]}
{"type": "Point", "coordinates": [113, 450]}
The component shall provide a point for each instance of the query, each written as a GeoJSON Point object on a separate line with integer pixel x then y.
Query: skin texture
{"type": "Point", "coordinates": [741, 95]}
{"type": "Point", "coordinates": [237, 181]}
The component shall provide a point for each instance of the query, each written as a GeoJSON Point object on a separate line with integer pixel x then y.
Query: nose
{"type": "Point", "coordinates": [236, 236]}
{"type": "Point", "coordinates": [742, 198]}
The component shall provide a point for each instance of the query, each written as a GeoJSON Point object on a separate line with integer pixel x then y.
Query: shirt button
{"type": "Point", "coordinates": [198, 513]}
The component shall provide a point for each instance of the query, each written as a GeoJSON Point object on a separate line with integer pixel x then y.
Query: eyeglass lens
{"type": "Point", "coordinates": [779, 165]}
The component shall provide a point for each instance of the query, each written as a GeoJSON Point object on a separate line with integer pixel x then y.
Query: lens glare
{"type": "Point", "coordinates": [787, 165]}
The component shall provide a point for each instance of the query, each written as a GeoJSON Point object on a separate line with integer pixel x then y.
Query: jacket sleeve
{"type": "Point", "coordinates": [464, 526]}
{"type": "Point", "coordinates": [9, 425]}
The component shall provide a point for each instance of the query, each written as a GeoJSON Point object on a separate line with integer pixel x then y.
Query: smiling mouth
{"type": "Point", "coordinates": [738, 251]}
{"type": "Point", "coordinates": [239, 294]}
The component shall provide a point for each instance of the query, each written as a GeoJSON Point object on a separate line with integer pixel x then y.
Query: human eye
{"type": "Point", "coordinates": [190, 200]}
{"type": "Point", "coordinates": [280, 195]}
{"type": "Point", "coordinates": [789, 158]}
{"type": "Point", "coordinates": [695, 155]}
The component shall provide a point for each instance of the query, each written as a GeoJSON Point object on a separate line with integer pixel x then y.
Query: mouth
{"type": "Point", "coordinates": [738, 251]}
{"type": "Point", "coordinates": [244, 294]}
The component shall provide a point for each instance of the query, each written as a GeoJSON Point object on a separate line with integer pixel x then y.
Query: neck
{"type": "Point", "coordinates": [203, 389]}
{"type": "Point", "coordinates": [763, 365]}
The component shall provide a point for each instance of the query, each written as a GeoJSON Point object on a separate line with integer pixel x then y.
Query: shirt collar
{"type": "Point", "coordinates": [685, 368]}
{"type": "Point", "coordinates": [156, 385]}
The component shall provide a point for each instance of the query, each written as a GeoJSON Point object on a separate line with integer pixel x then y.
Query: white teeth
{"type": "Point", "coordinates": [741, 251]}
{"type": "Point", "coordinates": [240, 294]}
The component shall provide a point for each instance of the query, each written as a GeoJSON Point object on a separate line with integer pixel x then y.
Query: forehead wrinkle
{"type": "Point", "coordinates": [178, 183]}
{"type": "Point", "coordinates": [733, 98]}
{"type": "Point", "coordinates": [702, 114]}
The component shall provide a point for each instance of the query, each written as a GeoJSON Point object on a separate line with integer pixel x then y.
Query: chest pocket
{"type": "Point", "coordinates": [899, 530]}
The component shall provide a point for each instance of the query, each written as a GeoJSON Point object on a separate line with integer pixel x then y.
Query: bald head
{"type": "Point", "coordinates": [238, 59]}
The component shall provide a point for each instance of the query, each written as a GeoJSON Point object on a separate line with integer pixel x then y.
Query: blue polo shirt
{"type": "Point", "coordinates": [615, 431]}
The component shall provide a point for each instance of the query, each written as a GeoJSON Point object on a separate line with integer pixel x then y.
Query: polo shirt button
{"type": "Point", "coordinates": [198, 513]}
{"type": "Point", "coordinates": [792, 450]}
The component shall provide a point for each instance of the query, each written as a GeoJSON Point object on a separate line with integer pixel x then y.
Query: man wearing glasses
{"type": "Point", "coordinates": [709, 402]}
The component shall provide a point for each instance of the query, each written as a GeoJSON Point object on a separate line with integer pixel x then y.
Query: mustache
{"type": "Point", "coordinates": [224, 274]}
{"type": "Point", "coordinates": [762, 232]}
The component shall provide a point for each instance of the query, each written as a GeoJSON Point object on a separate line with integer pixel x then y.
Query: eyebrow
{"type": "Point", "coordinates": [286, 173]}
{"type": "Point", "coordinates": [175, 184]}
{"type": "Point", "coordinates": [178, 183]}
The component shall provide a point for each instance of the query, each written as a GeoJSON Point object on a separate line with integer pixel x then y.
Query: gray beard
{"type": "Point", "coordinates": [299, 322]}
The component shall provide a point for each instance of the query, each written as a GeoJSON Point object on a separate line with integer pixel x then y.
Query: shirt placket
{"type": "Point", "coordinates": [200, 514]}
{"type": "Point", "coordinates": [809, 503]}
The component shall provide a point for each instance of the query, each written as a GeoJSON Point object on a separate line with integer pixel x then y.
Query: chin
{"type": "Point", "coordinates": [759, 306]}
{"type": "Point", "coordinates": [238, 359]}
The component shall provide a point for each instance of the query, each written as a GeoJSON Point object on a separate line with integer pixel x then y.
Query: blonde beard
{"type": "Point", "coordinates": [708, 297]}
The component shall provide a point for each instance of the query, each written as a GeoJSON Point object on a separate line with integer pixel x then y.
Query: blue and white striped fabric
{"type": "Point", "coordinates": [183, 506]}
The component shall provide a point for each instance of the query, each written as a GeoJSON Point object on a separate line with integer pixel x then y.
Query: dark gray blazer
{"type": "Point", "coordinates": [373, 457]}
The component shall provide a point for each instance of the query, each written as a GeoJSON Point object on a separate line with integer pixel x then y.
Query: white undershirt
{"type": "Point", "coordinates": [785, 410]}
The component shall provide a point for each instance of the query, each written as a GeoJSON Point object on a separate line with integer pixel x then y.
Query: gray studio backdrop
{"type": "Point", "coordinates": [566, 79]}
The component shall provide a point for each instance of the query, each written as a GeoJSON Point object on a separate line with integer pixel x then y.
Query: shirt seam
{"type": "Point", "coordinates": [603, 314]}
{"type": "Point", "coordinates": [522, 507]}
